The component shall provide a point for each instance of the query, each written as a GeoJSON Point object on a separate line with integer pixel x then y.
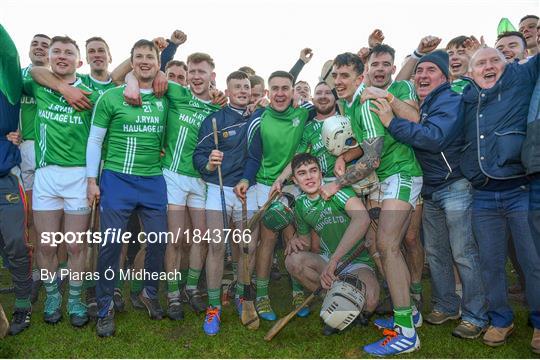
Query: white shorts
{"type": "Point", "coordinates": [399, 187]}
{"type": "Point", "coordinates": [232, 203]}
{"type": "Point", "coordinates": [58, 187]}
{"type": "Point", "coordinates": [185, 190]}
{"type": "Point", "coordinates": [28, 163]}
{"type": "Point", "coordinates": [351, 268]}
{"type": "Point", "coordinates": [263, 192]}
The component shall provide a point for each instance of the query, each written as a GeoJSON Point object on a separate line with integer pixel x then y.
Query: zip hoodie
{"type": "Point", "coordinates": [437, 139]}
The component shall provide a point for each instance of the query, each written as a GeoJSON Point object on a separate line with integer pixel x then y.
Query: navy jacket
{"type": "Point", "coordinates": [232, 128]}
{"type": "Point", "coordinates": [437, 139]}
{"type": "Point", "coordinates": [495, 126]}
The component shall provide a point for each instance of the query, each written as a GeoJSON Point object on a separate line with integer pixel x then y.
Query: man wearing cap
{"type": "Point", "coordinates": [437, 141]}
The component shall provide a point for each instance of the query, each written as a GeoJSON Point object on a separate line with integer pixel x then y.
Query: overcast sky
{"type": "Point", "coordinates": [266, 35]}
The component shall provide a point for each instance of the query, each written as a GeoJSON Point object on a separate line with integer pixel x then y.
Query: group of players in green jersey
{"type": "Point", "coordinates": [154, 147]}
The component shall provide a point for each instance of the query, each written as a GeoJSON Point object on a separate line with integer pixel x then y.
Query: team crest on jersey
{"type": "Point", "coordinates": [296, 122]}
{"type": "Point", "coordinates": [159, 105]}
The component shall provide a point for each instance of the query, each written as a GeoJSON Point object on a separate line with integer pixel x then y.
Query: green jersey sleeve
{"type": "Point", "coordinates": [102, 113]}
{"type": "Point", "coordinates": [403, 90]}
{"type": "Point", "coordinates": [371, 124]}
{"type": "Point", "coordinates": [177, 93]}
{"type": "Point", "coordinates": [302, 227]}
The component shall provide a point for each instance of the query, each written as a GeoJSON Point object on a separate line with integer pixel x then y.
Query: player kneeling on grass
{"type": "Point", "coordinates": [340, 223]}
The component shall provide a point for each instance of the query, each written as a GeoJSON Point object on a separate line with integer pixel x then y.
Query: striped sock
{"type": "Point", "coordinates": [89, 283]}
{"type": "Point", "coordinates": [262, 287]}
{"type": "Point", "coordinates": [193, 279]}
{"type": "Point", "coordinates": [183, 277]}
{"type": "Point", "coordinates": [23, 303]}
{"type": "Point", "coordinates": [173, 291]}
{"type": "Point", "coordinates": [214, 297]}
{"type": "Point", "coordinates": [235, 270]}
{"type": "Point", "coordinates": [75, 289]}
{"type": "Point", "coordinates": [119, 284]}
{"type": "Point", "coordinates": [136, 286]}
{"type": "Point", "coordinates": [296, 287]}
{"type": "Point", "coordinates": [51, 287]}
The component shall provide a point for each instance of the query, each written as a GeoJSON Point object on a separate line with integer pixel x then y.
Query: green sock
{"type": "Point", "coordinates": [262, 287]}
{"type": "Point", "coordinates": [89, 284]}
{"type": "Point", "coordinates": [136, 286]}
{"type": "Point", "coordinates": [296, 287]}
{"type": "Point", "coordinates": [235, 270]}
{"type": "Point", "coordinates": [75, 289]}
{"type": "Point", "coordinates": [183, 277]}
{"type": "Point", "coordinates": [403, 317]}
{"type": "Point", "coordinates": [172, 288]}
{"type": "Point", "coordinates": [51, 287]}
{"type": "Point", "coordinates": [23, 303]}
{"type": "Point", "coordinates": [416, 288]}
{"type": "Point", "coordinates": [214, 297]}
{"type": "Point", "coordinates": [193, 278]}
{"type": "Point", "coordinates": [239, 289]}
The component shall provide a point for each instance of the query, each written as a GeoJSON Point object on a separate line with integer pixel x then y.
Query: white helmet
{"type": "Point", "coordinates": [344, 302]}
{"type": "Point", "coordinates": [337, 135]}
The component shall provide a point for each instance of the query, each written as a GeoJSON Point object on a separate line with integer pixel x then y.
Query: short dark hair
{"type": "Point", "coordinates": [256, 80]}
{"type": "Point", "coordinates": [248, 70]}
{"type": "Point", "coordinates": [281, 74]}
{"type": "Point", "coordinates": [347, 59]}
{"type": "Point", "coordinates": [200, 57]}
{"type": "Point", "coordinates": [529, 17]}
{"type": "Point", "coordinates": [237, 75]}
{"type": "Point", "coordinates": [100, 39]}
{"type": "Point", "coordinates": [383, 49]}
{"type": "Point", "coordinates": [458, 41]}
{"type": "Point", "coordinates": [176, 63]}
{"type": "Point", "coordinates": [144, 43]}
{"type": "Point", "coordinates": [41, 35]}
{"type": "Point", "coordinates": [65, 40]}
{"type": "Point", "coordinates": [303, 159]}
{"type": "Point", "coordinates": [513, 33]}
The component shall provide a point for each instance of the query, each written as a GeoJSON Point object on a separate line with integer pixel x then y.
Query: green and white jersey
{"type": "Point", "coordinates": [312, 143]}
{"type": "Point", "coordinates": [99, 86]}
{"type": "Point", "coordinates": [186, 113]}
{"type": "Point", "coordinates": [459, 85]}
{"type": "Point", "coordinates": [329, 219]}
{"type": "Point", "coordinates": [61, 132]}
{"type": "Point", "coordinates": [134, 133]}
{"type": "Point", "coordinates": [280, 134]}
{"type": "Point", "coordinates": [28, 110]}
{"type": "Point", "coordinates": [396, 157]}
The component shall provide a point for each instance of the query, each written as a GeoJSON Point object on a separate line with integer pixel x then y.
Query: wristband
{"type": "Point", "coordinates": [417, 55]}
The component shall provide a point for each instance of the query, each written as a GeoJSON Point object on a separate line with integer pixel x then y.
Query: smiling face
{"type": "Point", "coordinates": [528, 28]}
{"type": "Point", "coordinates": [381, 68]}
{"type": "Point", "coordinates": [303, 90]}
{"type": "Point", "coordinates": [281, 93]}
{"type": "Point", "coordinates": [98, 56]}
{"type": "Point", "coordinates": [145, 63]}
{"type": "Point", "coordinates": [346, 81]}
{"type": "Point", "coordinates": [238, 91]}
{"type": "Point", "coordinates": [200, 76]}
{"type": "Point", "coordinates": [177, 74]}
{"type": "Point", "coordinates": [39, 51]}
{"type": "Point", "coordinates": [324, 100]}
{"type": "Point", "coordinates": [64, 59]}
{"type": "Point", "coordinates": [458, 61]}
{"type": "Point", "coordinates": [512, 47]}
{"type": "Point", "coordinates": [487, 66]}
{"type": "Point", "coordinates": [308, 177]}
{"type": "Point", "coordinates": [427, 77]}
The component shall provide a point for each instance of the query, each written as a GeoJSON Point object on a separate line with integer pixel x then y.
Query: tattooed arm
{"type": "Point", "coordinates": [360, 170]}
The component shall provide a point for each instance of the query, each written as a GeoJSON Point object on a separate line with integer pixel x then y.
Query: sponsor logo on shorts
{"type": "Point", "coordinates": [13, 198]}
